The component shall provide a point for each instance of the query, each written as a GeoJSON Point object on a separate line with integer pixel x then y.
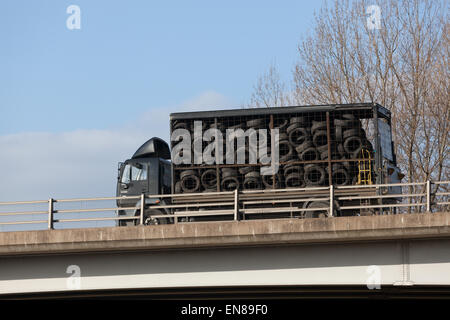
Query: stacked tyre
{"type": "Point", "coordinates": [306, 139]}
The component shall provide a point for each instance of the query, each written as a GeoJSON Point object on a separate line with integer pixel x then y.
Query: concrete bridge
{"type": "Point", "coordinates": [403, 254]}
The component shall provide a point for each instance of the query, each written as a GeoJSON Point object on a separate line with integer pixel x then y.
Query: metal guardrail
{"type": "Point", "coordinates": [239, 205]}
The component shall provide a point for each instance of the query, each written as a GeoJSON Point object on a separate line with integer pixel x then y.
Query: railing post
{"type": "Point", "coordinates": [50, 213]}
{"type": "Point", "coordinates": [331, 200]}
{"type": "Point", "coordinates": [428, 196]}
{"type": "Point", "coordinates": [141, 217]}
{"type": "Point", "coordinates": [236, 205]}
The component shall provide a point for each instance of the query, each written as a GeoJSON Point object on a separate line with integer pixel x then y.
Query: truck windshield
{"type": "Point", "coordinates": [133, 173]}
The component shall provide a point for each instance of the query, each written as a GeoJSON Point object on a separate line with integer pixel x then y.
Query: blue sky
{"type": "Point", "coordinates": [131, 56]}
{"type": "Point", "coordinates": [73, 103]}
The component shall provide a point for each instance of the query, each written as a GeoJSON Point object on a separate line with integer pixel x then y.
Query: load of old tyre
{"type": "Point", "coordinates": [299, 139]}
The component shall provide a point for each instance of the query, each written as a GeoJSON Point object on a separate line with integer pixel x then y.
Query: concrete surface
{"type": "Point", "coordinates": [227, 234]}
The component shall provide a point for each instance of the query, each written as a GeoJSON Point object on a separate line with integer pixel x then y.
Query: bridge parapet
{"type": "Point", "coordinates": [227, 234]}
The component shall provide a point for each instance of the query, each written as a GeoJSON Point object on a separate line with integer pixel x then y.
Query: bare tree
{"type": "Point", "coordinates": [402, 64]}
{"type": "Point", "coordinates": [269, 90]}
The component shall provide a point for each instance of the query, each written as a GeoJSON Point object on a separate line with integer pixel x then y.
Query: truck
{"type": "Point", "coordinates": [279, 159]}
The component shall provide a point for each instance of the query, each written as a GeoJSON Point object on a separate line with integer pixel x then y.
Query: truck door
{"type": "Point", "coordinates": [134, 179]}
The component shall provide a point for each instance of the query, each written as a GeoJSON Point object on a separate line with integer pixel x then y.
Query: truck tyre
{"type": "Point", "coordinates": [316, 213]}
{"type": "Point", "coordinates": [348, 116]}
{"type": "Point", "coordinates": [230, 183]}
{"type": "Point", "coordinates": [305, 145]}
{"type": "Point", "coordinates": [245, 170]}
{"type": "Point", "coordinates": [287, 170]}
{"type": "Point", "coordinates": [187, 173]}
{"type": "Point", "coordinates": [340, 175]}
{"type": "Point", "coordinates": [338, 133]}
{"type": "Point", "coordinates": [282, 126]}
{"type": "Point", "coordinates": [286, 150]}
{"type": "Point", "coordinates": [351, 144]}
{"type": "Point", "coordinates": [353, 133]}
{"type": "Point", "coordinates": [314, 175]}
{"type": "Point", "coordinates": [318, 125]}
{"type": "Point", "coordinates": [190, 183]}
{"type": "Point", "coordinates": [320, 138]}
{"type": "Point", "coordinates": [229, 172]}
{"type": "Point", "coordinates": [297, 136]}
{"type": "Point", "coordinates": [209, 179]}
{"type": "Point", "coordinates": [324, 155]}
{"type": "Point", "coordinates": [346, 123]}
{"type": "Point", "coordinates": [181, 125]}
{"type": "Point", "coordinates": [323, 148]}
{"type": "Point", "coordinates": [256, 123]}
{"type": "Point", "coordinates": [252, 181]}
{"type": "Point", "coordinates": [295, 180]}
{"type": "Point", "coordinates": [309, 154]}
{"type": "Point", "coordinates": [301, 121]}
{"type": "Point", "coordinates": [268, 181]}
{"type": "Point", "coordinates": [148, 220]}
{"type": "Point", "coordinates": [177, 188]}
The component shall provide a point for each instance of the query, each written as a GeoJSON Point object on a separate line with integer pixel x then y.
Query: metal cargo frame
{"type": "Point", "coordinates": [273, 116]}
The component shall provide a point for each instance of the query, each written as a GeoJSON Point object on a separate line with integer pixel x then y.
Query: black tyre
{"type": "Point", "coordinates": [245, 170]}
{"type": "Point", "coordinates": [230, 183]}
{"type": "Point", "coordinates": [256, 123]}
{"type": "Point", "coordinates": [301, 121]}
{"type": "Point", "coordinates": [298, 136]}
{"type": "Point", "coordinates": [229, 172]}
{"type": "Point", "coordinates": [353, 133]}
{"type": "Point", "coordinates": [285, 150]}
{"type": "Point", "coordinates": [309, 154]}
{"type": "Point", "coordinates": [252, 181]}
{"type": "Point", "coordinates": [190, 183]}
{"type": "Point", "coordinates": [287, 170]}
{"type": "Point", "coordinates": [268, 181]}
{"type": "Point", "coordinates": [177, 188]}
{"type": "Point", "coordinates": [320, 138]}
{"type": "Point", "coordinates": [209, 179]}
{"type": "Point", "coordinates": [314, 175]}
{"type": "Point", "coordinates": [346, 123]}
{"type": "Point", "coordinates": [351, 144]}
{"type": "Point", "coordinates": [318, 125]}
{"type": "Point", "coordinates": [295, 180]}
{"type": "Point", "coordinates": [188, 173]}
{"type": "Point", "coordinates": [340, 176]}
{"type": "Point", "coordinates": [305, 145]}
{"type": "Point", "coordinates": [338, 133]}
{"type": "Point", "coordinates": [323, 213]}
{"type": "Point", "coordinates": [282, 125]}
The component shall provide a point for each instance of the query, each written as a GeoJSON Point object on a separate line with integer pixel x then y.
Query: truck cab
{"type": "Point", "coordinates": [147, 172]}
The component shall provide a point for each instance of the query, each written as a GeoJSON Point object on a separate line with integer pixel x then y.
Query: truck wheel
{"type": "Point", "coordinates": [148, 220]}
{"type": "Point", "coordinates": [316, 213]}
